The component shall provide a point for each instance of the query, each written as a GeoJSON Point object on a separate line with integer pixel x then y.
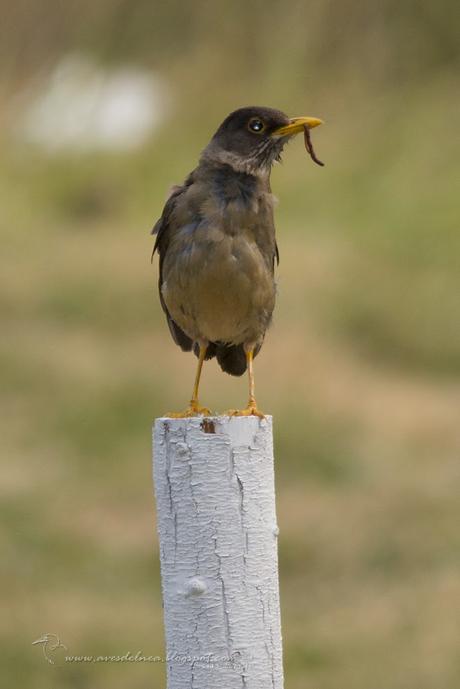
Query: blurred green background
{"type": "Point", "coordinates": [361, 368]}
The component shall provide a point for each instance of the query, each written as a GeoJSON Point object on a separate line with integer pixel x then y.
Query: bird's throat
{"type": "Point", "coordinates": [250, 166]}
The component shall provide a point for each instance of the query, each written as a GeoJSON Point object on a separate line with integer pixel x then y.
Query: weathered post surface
{"type": "Point", "coordinates": [214, 486]}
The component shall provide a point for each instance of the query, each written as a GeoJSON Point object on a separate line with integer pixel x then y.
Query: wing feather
{"type": "Point", "coordinates": [162, 229]}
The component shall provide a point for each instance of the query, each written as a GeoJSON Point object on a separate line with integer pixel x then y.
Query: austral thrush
{"type": "Point", "coordinates": [217, 247]}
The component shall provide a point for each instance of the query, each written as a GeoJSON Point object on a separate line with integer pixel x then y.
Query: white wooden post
{"type": "Point", "coordinates": [214, 486]}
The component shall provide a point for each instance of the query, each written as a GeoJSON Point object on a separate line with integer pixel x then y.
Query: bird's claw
{"type": "Point", "coordinates": [193, 410]}
{"type": "Point", "coordinates": [251, 410]}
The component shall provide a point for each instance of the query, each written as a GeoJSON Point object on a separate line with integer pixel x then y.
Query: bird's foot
{"type": "Point", "coordinates": [251, 410]}
{"type": "Point", "coordinates": [193, 410]}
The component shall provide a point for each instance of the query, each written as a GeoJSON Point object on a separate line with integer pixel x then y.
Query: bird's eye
{"type": "Point", "coordinates": [255, 125]}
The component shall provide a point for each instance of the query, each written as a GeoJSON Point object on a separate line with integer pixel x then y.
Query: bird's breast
{"type": "Point", "coordinates": [217, 282]}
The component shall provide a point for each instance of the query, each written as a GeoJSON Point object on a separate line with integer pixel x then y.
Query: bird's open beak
{"type": "Point", "coordinates": [296, 125]}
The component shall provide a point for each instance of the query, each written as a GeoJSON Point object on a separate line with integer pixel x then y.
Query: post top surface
{"type": "Point", "coordinates": [232, 426]}
{"type": "Point", "coordinates": [222, 419]}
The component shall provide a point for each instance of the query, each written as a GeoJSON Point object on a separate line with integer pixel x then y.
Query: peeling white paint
{"type": "Point", "coordinates": [195, 586]}
{"type": "Point", "coordinates": [218, 548]}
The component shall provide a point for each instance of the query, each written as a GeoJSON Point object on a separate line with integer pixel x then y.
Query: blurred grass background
{"type": "Point", "coordinates": [360, 370]}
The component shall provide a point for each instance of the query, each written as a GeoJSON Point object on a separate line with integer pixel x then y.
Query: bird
{"type": "Point", "coordinates": [217, 247]}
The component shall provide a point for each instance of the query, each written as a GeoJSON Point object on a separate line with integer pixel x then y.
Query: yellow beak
{"type": "Point", "coordinates": [296, 125]}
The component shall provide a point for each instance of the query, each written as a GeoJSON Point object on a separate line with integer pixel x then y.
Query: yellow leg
{"type": "Point", "coordinates": [251, 409]}
{"type": "Point", "coordinates": [194, 409]}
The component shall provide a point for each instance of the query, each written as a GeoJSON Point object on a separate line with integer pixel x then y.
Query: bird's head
{"type": "Point", "coordinates": [251, 139]}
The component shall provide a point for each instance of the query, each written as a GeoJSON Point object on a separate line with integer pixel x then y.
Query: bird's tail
{"type": "Point", "coordinates": [231, 358]}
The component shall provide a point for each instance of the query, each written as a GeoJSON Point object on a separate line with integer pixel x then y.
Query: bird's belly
{"type": "Point", "coordinates": [220, 289]}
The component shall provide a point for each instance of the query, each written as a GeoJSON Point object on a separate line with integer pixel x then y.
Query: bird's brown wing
{"type": "Point", "coordinates": [277, 255]}
{"type": "Point", "coordinates": [162, 229]}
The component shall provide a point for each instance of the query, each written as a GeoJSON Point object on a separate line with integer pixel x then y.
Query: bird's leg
{"type": "Point", "coordinates": [194, 405]}
{"type": "Point", "coordinates": [251, 409]}
{"type": "Point", "coordinates": [194, 409]}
